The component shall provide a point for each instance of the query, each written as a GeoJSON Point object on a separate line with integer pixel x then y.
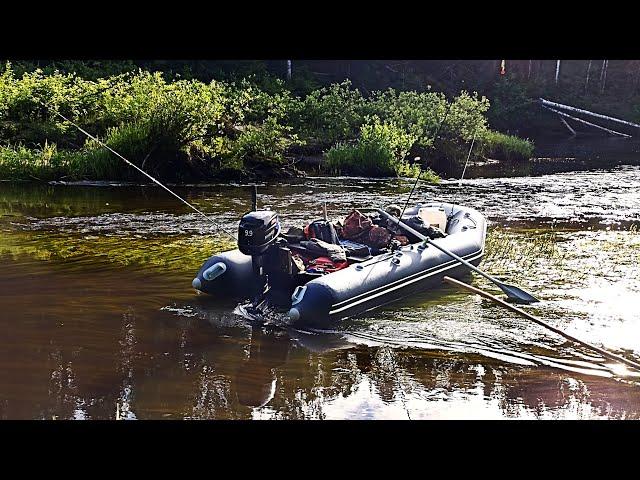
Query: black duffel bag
{"type": "Point", "coordinates": [322, 230]}
{"type": "Point", "coordinates": [319, 248]}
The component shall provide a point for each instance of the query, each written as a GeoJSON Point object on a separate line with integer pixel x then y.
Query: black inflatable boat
{"type": "Point", "coordinates": [261, 268]}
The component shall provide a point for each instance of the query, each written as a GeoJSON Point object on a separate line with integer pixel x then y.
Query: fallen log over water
{"type": "Point", "coordinates": [587, 123]}
{"type": "Point", "coordinates": [547, 103]}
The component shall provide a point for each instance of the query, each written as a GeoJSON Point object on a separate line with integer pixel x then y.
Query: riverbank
{"type": "Point", "coordinates": [188, 130]}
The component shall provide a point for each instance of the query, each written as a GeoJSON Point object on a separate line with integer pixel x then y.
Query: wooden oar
{"type": "Point", "coordinates": [513, 308]}
{"type": "Point", "coordinates": [513, 292]}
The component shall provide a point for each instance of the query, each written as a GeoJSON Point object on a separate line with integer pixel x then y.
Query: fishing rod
{"type": "Point", "coordinates": [465, 166]}
{"type": "Point", "coordinates": [435, 136]}
{"type": "Point", "coordinates": [141, 171]}
{"type": "Point", "coordinates": [468, 157]}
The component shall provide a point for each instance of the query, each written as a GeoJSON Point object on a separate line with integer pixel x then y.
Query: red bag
{"type": "Point", "coordinates": [402, 239]}
{"type": "Point", "coordinates": [355, 225]}
{"type": "Point", "coordinates": [379, 237]}
{"type": "Point", "coordinates": [325, 265]}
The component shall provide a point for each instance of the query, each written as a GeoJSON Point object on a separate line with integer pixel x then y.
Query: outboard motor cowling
{"type": "Point", "coordinates": [258, 230]}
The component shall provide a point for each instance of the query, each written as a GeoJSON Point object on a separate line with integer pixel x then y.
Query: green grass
{"type": "Point", "coordinates": [500, 146]}
{"type": "Point", "coordinates": [46, 163]}
{"type": "Point", "coordinates": [366, 160]}
{"type": "Point", "coordinates": [380, 151]}
{"type": "Point", "coordinates": [517, 253]}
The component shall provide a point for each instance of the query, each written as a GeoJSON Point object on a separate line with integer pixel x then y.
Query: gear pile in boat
{"type": "Point", "coordinates": [286, 260]}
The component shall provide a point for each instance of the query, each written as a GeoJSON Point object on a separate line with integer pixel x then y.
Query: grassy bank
{"type": "Point", "coordinates": [190, 130]}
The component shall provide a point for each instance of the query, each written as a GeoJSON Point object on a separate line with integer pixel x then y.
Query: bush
{"type": "Point", "coordinates": [330, 114]}
{"type": "Point", "coordinates": [421, 114]}
{"type": "Point", "coordinates": [511, 105]}
{"type": "Point", "coordinates": [141, 116]}
{"type": "Point", "coordinates": [264, 144]}
{"type": "Point", "coordinates": [21, 163]}
{"type": "Point", "coordinates": [417, 113]}
{"type": "Point", "coordinates": [132, 141]}
{"type": "Point", "coordinates": [499, 146]}
{"type": "Point", "coordinates": [380, 151]}
{"type": "Point", "coordinates": [187, 128]}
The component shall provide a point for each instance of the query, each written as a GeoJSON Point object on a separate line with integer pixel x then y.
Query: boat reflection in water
{"type": "Point", "coordinates": [313, 374]}
{"type": "Point", "coordinates": [255, 379]}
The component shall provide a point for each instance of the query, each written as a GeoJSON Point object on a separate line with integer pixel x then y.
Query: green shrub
{"type": "Point", "coordinates": [421, 114]}
{"type": "Point", "coordinates": [184, 128]}
{"type": "Point", "coordinates": [21, 163]}
{"type": "Point", "coordinates": [330, 114]}
{"type": "Point", "coordinates": [511, 105]}
{"type": "Point", "coordinates": [499, 146]}
{"type": "Point", "coordinates": [418, 113]}
{"type": "Point", "coordinates": [380, 151]}
{"type": "Point", "coordinates": [264, 144]}
{"type": "Point", "coordinates": [132, 141]}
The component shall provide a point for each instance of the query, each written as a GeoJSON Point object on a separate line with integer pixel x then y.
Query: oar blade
{"type": "Point", "coordinates": [517, 294]}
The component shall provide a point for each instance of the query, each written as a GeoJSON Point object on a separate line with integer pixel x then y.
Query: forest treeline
{"type": "Point", "coordinates": [612, 86]}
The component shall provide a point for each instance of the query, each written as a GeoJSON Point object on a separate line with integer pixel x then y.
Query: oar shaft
{"type": "Point", "coordinates": [430, 242]}
{"type": "Point", "coordinates": [463, 261]}
{"type": "Point", "coordinates": [521, 312]}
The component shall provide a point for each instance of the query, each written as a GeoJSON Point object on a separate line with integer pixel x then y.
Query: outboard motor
{"type": "Point", "coordinates": [239, 272]}
{"type": "Point", "coordinates": [257, 231]}
{"type": "Point", "coordinates": [258, 237]}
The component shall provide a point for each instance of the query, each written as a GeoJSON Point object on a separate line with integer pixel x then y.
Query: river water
{"type": "Point", "coordinates": [99, 319]}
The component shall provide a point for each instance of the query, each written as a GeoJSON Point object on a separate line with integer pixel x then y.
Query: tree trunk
{"type": "Point", "coordinates": [539, 69]}
{"type": "Point", "coordinates": [548, 104]}
{"type": "Point", "coordinates": [588, 123]}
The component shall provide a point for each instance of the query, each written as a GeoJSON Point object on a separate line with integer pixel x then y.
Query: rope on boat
{"type": "Point", "coordinates": [144, 173]}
